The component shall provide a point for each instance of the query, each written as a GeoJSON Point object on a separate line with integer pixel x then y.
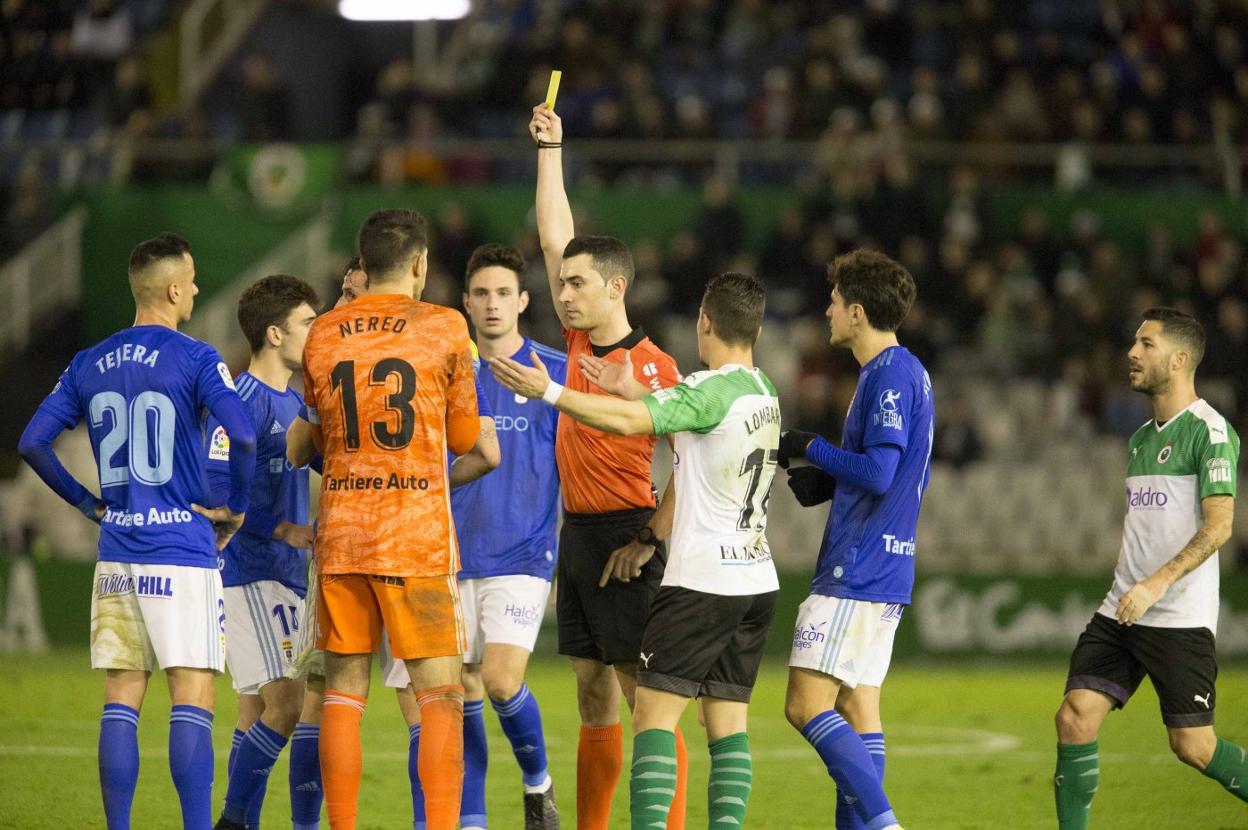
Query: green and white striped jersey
{"type": "Point", "coordinates": [727, 426]}
{"type": "Point", "coordinates": [1169, 470]}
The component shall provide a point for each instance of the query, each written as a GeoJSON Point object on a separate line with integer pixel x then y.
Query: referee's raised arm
{"type": "Point", "coordinates": [555, 226]}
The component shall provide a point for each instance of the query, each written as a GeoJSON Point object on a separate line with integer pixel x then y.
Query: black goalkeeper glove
{"type": "Point", "coordinates": [811, 485]}
{"type": "Point", "coordinates": [793, 445]}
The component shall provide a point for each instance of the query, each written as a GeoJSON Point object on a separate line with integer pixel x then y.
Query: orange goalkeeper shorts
{"type": "Point", "coordinates": [422, 615]}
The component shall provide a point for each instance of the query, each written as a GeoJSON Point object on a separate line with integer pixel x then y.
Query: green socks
{"type": "Point", "coordinates": [1074, 784]}
{"type": "Point", "coordinates": [732, 775]}
{"type": "Point", "coordinates": [652, 783]}
{"type": "Point", "coordinates": [1229, 767]}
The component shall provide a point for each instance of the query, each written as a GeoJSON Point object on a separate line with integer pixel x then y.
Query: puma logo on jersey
{"type": "Point", "coordinates": [1204, 700]}
{"type": "Point", "coordinates": [645, 658]}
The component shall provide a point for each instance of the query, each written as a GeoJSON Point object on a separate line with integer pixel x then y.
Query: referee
{"type": "Point", "coordinates": [611, 524]}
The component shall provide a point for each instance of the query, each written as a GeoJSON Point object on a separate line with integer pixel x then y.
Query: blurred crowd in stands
{"type": "Point", "coordinates": [1077, 71]}
{"type": "Point", "coordinates": [864, 79]}
{"type": "Point", "coordinates": [68, 70]}
{"type": "Point", "coordinates": [1058, 303]}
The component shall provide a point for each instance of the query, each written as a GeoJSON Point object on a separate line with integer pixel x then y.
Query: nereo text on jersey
{"type": "Point", "coordinates": [360, 325]}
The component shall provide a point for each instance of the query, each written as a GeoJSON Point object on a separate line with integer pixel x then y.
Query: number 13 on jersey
{"type": "Point", "coordinates": [395, 375]}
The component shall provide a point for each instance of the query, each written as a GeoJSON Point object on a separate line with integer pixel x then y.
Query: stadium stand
{"type": "Point", "coordinates": [897, 124]}
{"type": "Point", "coordinates": [70, 71]}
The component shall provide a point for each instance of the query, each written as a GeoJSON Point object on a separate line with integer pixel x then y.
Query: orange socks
{"type": "Point", "coordinates": [599, 759]}
{"type": "Point", "coordinates": [441, 758]}
{"type": "Point", "coordinates": [676, 815]}
{"type": "Point", "coordinates": [341, 760]}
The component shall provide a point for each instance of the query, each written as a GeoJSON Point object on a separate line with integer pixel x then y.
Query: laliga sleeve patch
{"type": "Point", "coordinates": [219, 446]}
{"type": "Point", "coordinates": [224, 371]}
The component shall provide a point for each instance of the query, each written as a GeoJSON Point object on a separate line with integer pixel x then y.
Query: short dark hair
{"type": "Point", "coordinates": [268, 303]}
{"type": "Point", "coordinates": [353, 265]}
{"type": "Point", "coordinates": [1182, 327]}
{"type": "Point", "coordinates": [389, 238]}
{"type": "Point", "coordinates": [609, 255]}
{"type": "Point", "coordinates": [735, 303]}
{"type": "Point", "coordinates": [492, 254]}
{"type": "Point", "coordinates": [165, 246]}
{"type": "Point", "coordinates": [881, 285]}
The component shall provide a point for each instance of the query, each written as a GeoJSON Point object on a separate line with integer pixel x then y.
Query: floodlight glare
{"type": "Point", "coordinates": [379, 10]}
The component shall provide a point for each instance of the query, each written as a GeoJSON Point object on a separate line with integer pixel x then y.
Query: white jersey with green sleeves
{"type": "Point", "coordinates": [727, 426]}
{"type": "Point", "coordinates": [1169, 470]}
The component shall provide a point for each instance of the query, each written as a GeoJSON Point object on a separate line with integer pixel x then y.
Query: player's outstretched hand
{"type": "Point", "coordinates": [529, 381]}
{"type": "Point", "coordinates": [1136, 602]}
{"type": "Point", "coordinates": [626, 562]}
{"type": "Point", "coordinates": [614, 378]}
{"type": "Point", "coordinates": [793, 445]}
{"type": "Point", "coordinates": [297, 536]}
{"type": "Point", "coordinates": [546, 126]}
{"type": "Point", "coordinates": [811, 485]}
{"type": "Point", "coordinates": [224, 522]}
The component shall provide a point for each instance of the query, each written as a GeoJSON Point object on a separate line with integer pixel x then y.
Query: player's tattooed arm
{"type": "Point", "coordinates": [484, 456]}
{"type": "Point", "coordinates": [555, 226]}
{"type": "Point", "coordinates": [1219, 512]}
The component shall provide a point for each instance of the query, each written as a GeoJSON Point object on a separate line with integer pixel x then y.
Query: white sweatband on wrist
{"type": "Point", "coordinates": [552, 393]}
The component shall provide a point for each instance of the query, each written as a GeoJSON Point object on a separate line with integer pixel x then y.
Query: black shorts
{"type": "Point", "coordinates": [705, 645]}
{"type": "Point", "coordinates": [603, 624]}
{"type": "Point", "coordinates": [1113, 658]}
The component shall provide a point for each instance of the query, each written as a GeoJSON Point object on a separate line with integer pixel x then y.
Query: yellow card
{"type": "Point", "coordinates": [553, 90]}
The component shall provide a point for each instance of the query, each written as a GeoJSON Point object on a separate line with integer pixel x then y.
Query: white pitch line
{"type": "Point", "coordinates": [797, 753]}
{"type": "Point", "coordinates": [968, 742]}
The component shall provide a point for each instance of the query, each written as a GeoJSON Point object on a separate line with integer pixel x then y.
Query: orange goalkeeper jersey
{"type": "Point", "coordinates": [390, 381]}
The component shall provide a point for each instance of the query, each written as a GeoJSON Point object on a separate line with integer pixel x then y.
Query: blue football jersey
{"type": "Point", "coordinates": [505, 521]}
{"type": "Point", "coordinates": [868, 544]}
{"type": "Point", "coordinates": [279, 492]}
{"type": "Point", "coordinates": [144, 393]}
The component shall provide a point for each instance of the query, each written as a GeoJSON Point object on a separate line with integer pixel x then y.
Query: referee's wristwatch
{"type": "Point", "coordinates": [647, 536]}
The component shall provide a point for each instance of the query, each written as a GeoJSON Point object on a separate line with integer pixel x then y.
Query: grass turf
{"type": "Point", "coordinates": [968, 747]}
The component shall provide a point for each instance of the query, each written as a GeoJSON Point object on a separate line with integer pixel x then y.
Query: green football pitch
{"type": "Point", "coordinates": [968, 747]}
